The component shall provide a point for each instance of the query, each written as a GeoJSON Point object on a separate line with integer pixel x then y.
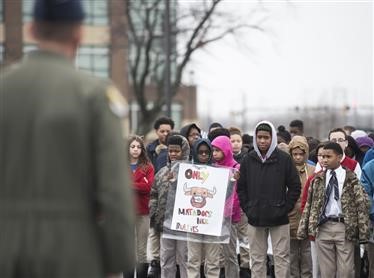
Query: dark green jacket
{"type": "Point", "coordinates": [62, 168]}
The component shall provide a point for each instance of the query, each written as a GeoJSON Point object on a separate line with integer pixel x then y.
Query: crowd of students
{"type": "Point", "coordinates": [312, 198]}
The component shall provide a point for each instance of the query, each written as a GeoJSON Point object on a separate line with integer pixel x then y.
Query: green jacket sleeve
{"type": "Point", "coordinates": [112, 181]}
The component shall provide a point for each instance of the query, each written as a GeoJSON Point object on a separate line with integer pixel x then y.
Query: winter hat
{"type": "Point", "coordinates": [358, 133]}
{"type": "Point", "coordinates": [365, 141]}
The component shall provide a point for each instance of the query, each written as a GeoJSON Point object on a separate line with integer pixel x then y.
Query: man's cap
{"type": "Point", "coordinates": [58, 10]}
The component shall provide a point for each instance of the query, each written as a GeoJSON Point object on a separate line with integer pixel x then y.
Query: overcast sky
{"type": "Point", "coordinates": [317, 53]}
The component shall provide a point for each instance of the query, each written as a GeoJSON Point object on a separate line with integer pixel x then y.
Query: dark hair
{"type": "Point", "coordinates": [338, 130]}
{"type": "Point", "coordinates": [234, 130]}
{"type": "Point", "coordinates": [352, 145]}
{"type": "Point", "coordinates": [163, 121]}
{"type": "Point", "coordinates": [282, 132]}
{"type": "Point", "coordinates": [143, 160]}
{"type": "Point", "coordinates": [218, 132]}
{"type": "Point", "coordinates": [247, 139]}
{"type": "Point", "coordinates": [175, 140]}
{"type": "Point", "coordinates": [264, 127]}
{"type": "Point", "coordinates": [371, 135]}
{"type": "Point", "coordinates": [349, 127]}
{"type": "Point", "coordinates": [214, 125]}
{"type": "Point", "coordinates": [55, 31]}
{"type": "Point", "coordinates": [297, 123]}
{"type": "Point", "coordinates": [334, 146]}
{"type": "Point", "coordinates": [313, 154]}
{"type": "Point", "coordinates": [312, 142]}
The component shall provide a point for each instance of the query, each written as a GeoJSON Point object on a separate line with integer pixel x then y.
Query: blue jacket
{"type": "Point", "coordinates": [367, 180]}
{"type": "Point", "coordinates": [159, 158]}
{"type": "Point", "coordinates": [368, 156]}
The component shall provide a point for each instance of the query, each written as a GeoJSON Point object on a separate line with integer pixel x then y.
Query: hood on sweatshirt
{"type": "Point", "coordinates": [186, 129]}
{"type": "Point", "coordinates": [185, 148]}
{"type": "Point", "coordinates": [223, 143]}
{"type": "Point", "coordinates": [299, 142]}
{"type": "Point", "coordinates": [273, 143]}
{"type": "Point", "coordinates": [195, 149]}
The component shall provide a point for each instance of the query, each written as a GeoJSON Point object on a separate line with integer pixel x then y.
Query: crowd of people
{"type": "Point", "coordinates": [311, 198]}
{"type": "Point", "coordinates": [68, 180]}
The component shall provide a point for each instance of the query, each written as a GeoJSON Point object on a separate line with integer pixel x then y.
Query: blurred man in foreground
{"type": "Point", "coordinates": [65, 208]}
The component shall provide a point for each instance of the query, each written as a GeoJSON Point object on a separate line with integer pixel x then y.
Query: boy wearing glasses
{"type": "Point", "coordinates": [191, 132]}
{"type": "Point", "coordinates": [339, 136]}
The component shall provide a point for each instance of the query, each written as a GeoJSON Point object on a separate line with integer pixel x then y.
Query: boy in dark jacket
{"type": "Point", "coordinates": [268, 189]}
{"type": "Point", "coordinates": [165, 179]}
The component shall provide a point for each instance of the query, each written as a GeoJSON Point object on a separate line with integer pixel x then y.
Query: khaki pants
{"type": "Point", "coordinates": [370, 248]}
{"type": "Point", "coordinates": [335, 253]}
{"type": "Point", "coordinates": [230, 255]}
{"type": "Point", "coordinates": [300, 259]}
{"type": "Point", "coordinates": [154, 241]}
{"type": "Point", "coordinates": [197, 252]}
{"type": "Point", "coordinates": [242, 228]}
{"type": "Point", "coordinates": [171, 251]}
{"type": "Point", "coordinates": [316, 270]}
{"type": "Point", "coordinates": [280, 241]}
{"type": "Point", "coordinates": [141, 232]}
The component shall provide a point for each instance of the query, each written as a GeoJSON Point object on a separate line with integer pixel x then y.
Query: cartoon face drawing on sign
{"type": "Point", "coordinates": [198, 195]}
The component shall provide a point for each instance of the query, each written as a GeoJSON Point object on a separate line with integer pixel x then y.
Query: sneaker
{"type": "Point", "coordinates": [155, 269]}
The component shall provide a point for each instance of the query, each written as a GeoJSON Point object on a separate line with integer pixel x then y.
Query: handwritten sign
{"type": "Point", "coordinates": [200, 199]}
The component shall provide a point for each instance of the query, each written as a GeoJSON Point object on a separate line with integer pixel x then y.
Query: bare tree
{"type": "Point", "coordinates": [194, 26]}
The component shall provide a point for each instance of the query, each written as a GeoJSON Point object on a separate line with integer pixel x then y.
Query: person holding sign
{"type": "Point", "coordinates": [198, 251]}
{"type": "Point", "coordinates": [171, 249]}
{"type": "Point", "coordinates": [223, 156]}
{"type": "Point", "coordinates": [268, 189]}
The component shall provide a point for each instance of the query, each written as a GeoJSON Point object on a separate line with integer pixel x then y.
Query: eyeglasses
{"type": "Point", "coordinates": [204, 152]}
{"type": "Point", "coordinates": [339, 140]}
{"type": "Point", "coordinates": [194, 135]}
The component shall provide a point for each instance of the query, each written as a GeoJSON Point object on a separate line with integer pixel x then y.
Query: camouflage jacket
{"type": "Point", "coordinates": [355, 208]}
{"type": "Point", "coordinates": [165, 180]}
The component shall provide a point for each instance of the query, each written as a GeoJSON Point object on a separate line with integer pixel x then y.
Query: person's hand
{"type": "Point", "coordinates": [236, 174]}
{"type": "Point", "coordinates": [171, 176]}
{"type": "Point", "coordinates": [159, 148]}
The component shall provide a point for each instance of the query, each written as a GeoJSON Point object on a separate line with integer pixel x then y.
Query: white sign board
{"type": "Point", "coordinates": [200, 199]}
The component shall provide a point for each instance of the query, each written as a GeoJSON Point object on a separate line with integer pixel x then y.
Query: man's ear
{"type": "Point", "coordinates": [31, 29]}
{"type": "Point", "coordinates": [78, 35]}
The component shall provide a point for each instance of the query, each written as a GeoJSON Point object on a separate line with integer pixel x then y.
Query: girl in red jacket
{"type": "Point", "coordinates": [143, 175]}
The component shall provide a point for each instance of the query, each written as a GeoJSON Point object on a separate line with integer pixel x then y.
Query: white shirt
{"type": "Point", "coordinates": [334, 208]}
{"type": "Point", "coordinates": [357, 169]}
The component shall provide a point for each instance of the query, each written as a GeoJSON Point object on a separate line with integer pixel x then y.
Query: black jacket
{"type": "Point", "coordinates": [158, 158]}
{"type": "Point", "coordinates": [268, 190]}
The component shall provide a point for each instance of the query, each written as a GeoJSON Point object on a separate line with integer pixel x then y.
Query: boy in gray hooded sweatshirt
{"type": "Point", "coordinates": [268, 189]}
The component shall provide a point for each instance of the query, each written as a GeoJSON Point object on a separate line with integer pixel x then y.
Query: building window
{"type": "Point", "coordinates": [27, 6]}
{"type": "Point", "coordinates": [96, 12]}
{"type": "Point", "coordinates": [94, 59]}
{"type": "Point", "coordinates": [1, 11]}
{"type": "Point", "coordinates": [176, 114]}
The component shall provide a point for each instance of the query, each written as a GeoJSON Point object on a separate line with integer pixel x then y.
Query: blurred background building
{"type": "Point", "coordinates": [104, 51]}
